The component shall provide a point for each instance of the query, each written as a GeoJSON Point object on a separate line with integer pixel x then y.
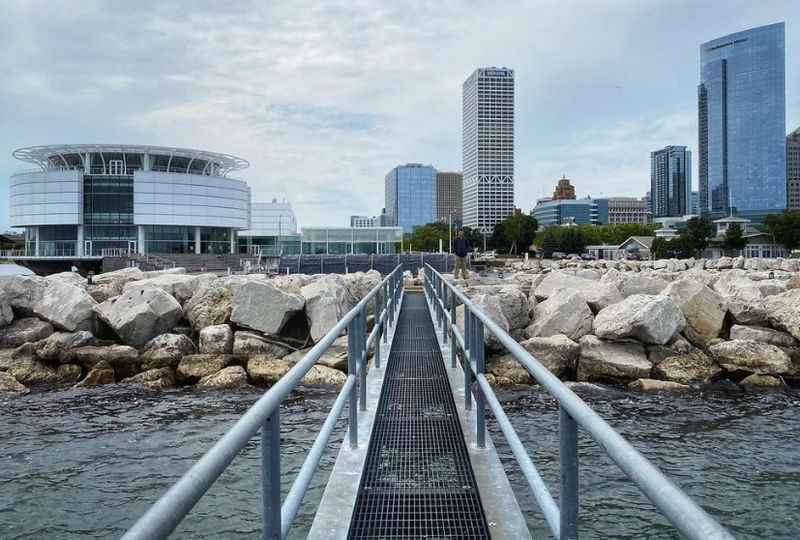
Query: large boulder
{"type": "Point", "coordinates": [251, 343]}
{"type": "Point", "coordinates": [263, 307]}
{"type": "Point", "coordinates": [229, 377]}
{"type": "Point", "coordinates": [557, 353]}
{"type": "Point", "coordinates": [292, 282]}
{"type": "Point", "coordinates": [603, 360]}
{"type": "Point", "coordinates": [10, 385]}
{"type": "Point", "coordinates": [124, 359]}
{"type": "Point", "coordinates": [216, 339]}
{"type": "Point", "coordinates": [736, 284]}
{"type": "Point", "coordinates": [761, 381]}
{"type": "Point", "coordinates": [166, 350]}
{"type": "Point", "coordinates": [266, 370]}
{"type": "Point", "coordinates": [506, 370]}
{"type": "Point", "coordinates": [359, 284]}
{"type": "Point", "coordinates": [140, 314]}
{"type": "Point", "coordinates": [194, 367]}
{"type": "Point", "coordinates": [635, 283]}
{"type": "Point", "coordinates": [54, 347]}
{"type": "Point", "coordinates": [565, 313]}
{"type": "Point", "coordinates": [180, 286]}
{"type": "Point", "coordinates": [514, 305]}
{"type": "Point", "coordinates": [751, 356]}
{"type": "Point", "coordinates": [327, 300]}
{"type": "Point", "coordinates": [22, 292]}
{"type": "Point", "coordinates": [210, 305]}
{"type": "Point", "coordinates": [66, 306]}
{"type": "Point", "coordinates": [597, 294]}
{"type": "Point", "coordinates": [684, 368]}
{"type": "Point", "coordinates": [748, 313]}
{"type": "Point", "coordinates": [783, 311]}
{"type": "Point", "coordinates": [101, 373]}
{"type": "Point", "coordinates": [703, 309]}
{"type": "Point", "coordinates": [764, 335]}
{"type": "Point", "coordinates": [490, 305]}
{"type": "Point", "coordinates": [324, 376]}
{"type": "Point", "coordinates": [26, 330]}
{"type": "Point", "coordinates": [650, 319]}
{"type": "Point", "coordinates": [30, 371]}
{"type": "Point", "coordinates": [153, 379]}
{"type": "Point", "coordinates": [118, 278]}
{"type": "Point", "coordinates": [6, 313]}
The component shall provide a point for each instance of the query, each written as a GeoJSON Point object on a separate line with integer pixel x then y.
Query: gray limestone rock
{"type": "Point", "coordinates": [140, 314]}
{"type": "Point", "coordinates": [650, 319]}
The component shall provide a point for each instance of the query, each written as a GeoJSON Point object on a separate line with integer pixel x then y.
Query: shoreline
{"type": "Point", "coordinates": [640, 325]}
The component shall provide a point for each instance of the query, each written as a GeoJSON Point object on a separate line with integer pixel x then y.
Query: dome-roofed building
{"type": "Point", "coordinates": [96, 200]}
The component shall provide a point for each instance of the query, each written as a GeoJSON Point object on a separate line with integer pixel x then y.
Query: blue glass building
{"type": "Point", "coordinates": [742, 123]}
{"type": "Point", "coordinates": [410, 192]}
{"type": "Point", "coordinates": [578, 211]}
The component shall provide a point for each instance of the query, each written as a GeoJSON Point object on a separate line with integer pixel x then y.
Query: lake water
{"type": "Point", "coordinates": [86, 463]}
{"type": "Point", "coordinates": [13, 269]}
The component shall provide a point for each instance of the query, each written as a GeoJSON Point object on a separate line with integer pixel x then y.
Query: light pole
{"type": "Point", "coordinates": [450, 232]}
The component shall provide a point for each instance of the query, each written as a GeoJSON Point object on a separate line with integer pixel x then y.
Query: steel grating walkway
{"type": "Point", "coordinates": [417, 481]}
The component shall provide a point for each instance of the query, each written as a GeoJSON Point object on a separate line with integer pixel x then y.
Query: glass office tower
{"type": "Point", "coordinates": [742, 123]}
{"type": "Point", "coordinates": [671, 181]}
{"type": "Point", "coordinates": [410, 192]}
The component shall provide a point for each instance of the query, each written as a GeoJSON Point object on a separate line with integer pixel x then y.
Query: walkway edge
{"type": "Point", "coordinates": [332, 520]}
{"type": "Point", "coordinates": [500, 506]}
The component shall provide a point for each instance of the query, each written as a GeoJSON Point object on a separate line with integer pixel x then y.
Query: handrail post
{"type": "Point", "coordinates": [352, 361]}
{"type": "Point", "coordinates": [271, 475]}
{"type": "Point", "coordinates": [480, 410]}
{"type": "Point", "coordinates": [362, 357]}
{"type": "Point", "coordinates": [387, 304]}
{"type": "Point", "coordinates": [445, 308]}
{"type": "Point", "coordinates": [453, 322]}
{"type": "Point", "coordinates": [469, 336]}
{"type": "Point", "coordinates": [378, 324]}
{"type": "Point", "coordinates": [568, 453]}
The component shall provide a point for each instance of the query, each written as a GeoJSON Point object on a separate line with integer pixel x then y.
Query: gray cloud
{"type": "Point", "coordinates": [323, 99]}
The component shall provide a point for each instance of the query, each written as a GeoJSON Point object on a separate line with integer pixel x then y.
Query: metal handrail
{"type": "Point", "coordinates": [264, 416]}
{"type": "Point", "coordinates": [691, 521]}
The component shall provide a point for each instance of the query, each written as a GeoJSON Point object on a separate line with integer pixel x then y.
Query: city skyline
{"type": "Point", "coordinates": [321, 115]}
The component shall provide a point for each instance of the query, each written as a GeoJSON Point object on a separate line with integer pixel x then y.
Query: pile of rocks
{"type": "Point", "coordinates": [649, 324]}
{"type": "Point", "coordinates": [161, 329]}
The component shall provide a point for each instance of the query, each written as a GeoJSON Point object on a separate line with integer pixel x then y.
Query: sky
{"type": "Point", "coordinates": [324, 98]}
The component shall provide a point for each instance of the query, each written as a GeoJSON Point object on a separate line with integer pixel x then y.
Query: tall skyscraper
{"type": "Point", "coordinates": [410, 192]}
{"type": "Point", "coordinates": [671, 181]}
{"type": "Point", "coordinates": [741, 107]}
{"type": "Point", "coordinates": [488, 147]}
{"type": "Point", "coordinates": [793, 170]}
{"type": "Point", "coordinates": [449, 197]}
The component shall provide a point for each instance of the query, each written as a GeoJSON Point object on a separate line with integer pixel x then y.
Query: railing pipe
{"type": "Point", "coordinates": [568, 458]}
{"type": "Point", "coordinates": [689, 518]}
{"type": "Point", "coordinates": [300, 485]}
{"type": "Point", "coordinates": [352, 371]}
{"type": "Point", "coordinates": [452, 328]}
{"type": "Point", "coordinates": [362, 359]}
{"type": "Point", "coordinates": [271, 475]}
{"type": "Point", "coordinates": [480, 409]}
{"type": "Point", "coordinates": [469, 357]}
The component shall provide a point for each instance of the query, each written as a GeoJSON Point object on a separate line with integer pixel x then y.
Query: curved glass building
{"type": "Point", "coordinates": [107, 200]}
{"type": "Point", "coordinates": [742, 123]}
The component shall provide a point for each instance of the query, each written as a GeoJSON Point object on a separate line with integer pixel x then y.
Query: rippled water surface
{"type": "Point", "coordinates": [86, 463]}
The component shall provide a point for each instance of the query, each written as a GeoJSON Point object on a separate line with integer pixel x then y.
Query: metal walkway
{"type": "Point", "coordinates": [417, 481]}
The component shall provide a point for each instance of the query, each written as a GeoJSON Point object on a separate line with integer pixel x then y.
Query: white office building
{"type": "Point", "coordinates": [488, 147]}
{"type": "Point", "coordinates": [98, 200]}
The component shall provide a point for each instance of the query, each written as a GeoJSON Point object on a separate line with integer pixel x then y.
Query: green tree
{"type": "Point", "coordinates": [549, 242]}
{"type": "Point", "coordinates": [426, 237]}
{"type": "Point", "coordinates": [784, 228]}
{"type": "Point", "coordinates": [515, 233]}
{"type": "Point", "coordinates": [673, 248]}
{"type": "Point", "coordinates": [734, 239]}
{"type": "Point", "coordinates": [695, 236]}
{"type": "Point", "coordinates": [572, 240]}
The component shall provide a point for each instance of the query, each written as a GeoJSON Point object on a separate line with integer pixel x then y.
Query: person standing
{"type": "Point", "coordinates": [461, 248]}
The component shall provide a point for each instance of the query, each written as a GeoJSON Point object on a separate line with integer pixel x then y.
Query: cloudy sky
{"type": "Point", "coordinates": [324, 98]}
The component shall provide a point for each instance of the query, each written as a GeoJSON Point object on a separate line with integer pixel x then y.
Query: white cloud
{"type": "Point", "coordinates": [324, 98]}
